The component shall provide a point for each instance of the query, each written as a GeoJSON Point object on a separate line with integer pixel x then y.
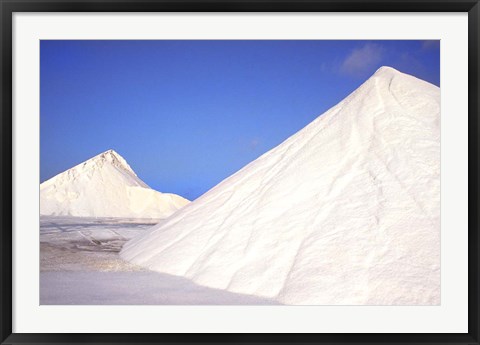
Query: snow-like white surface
{"type": "Point", "coordinates": [105, 186]}
{"type": "Point", "coordinates": [346, 211]}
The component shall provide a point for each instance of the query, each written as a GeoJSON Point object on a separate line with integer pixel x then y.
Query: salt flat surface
{"type": "Point", "coordinates": [79, 264]}
{"type": "Point", "coordinates": [87, 244]}
{"type": "Point", "coordinates": [344, 212]}
{"type": "Point", "coordinates": [133, 288]}
{"type": "Point", "coordinates": [105, 186]}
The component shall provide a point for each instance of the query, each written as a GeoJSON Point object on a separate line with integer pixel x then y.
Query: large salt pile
{"type": "Point", "coordinates": [105, 186]}
{"type": "Point", "coordinates": [346, 211]}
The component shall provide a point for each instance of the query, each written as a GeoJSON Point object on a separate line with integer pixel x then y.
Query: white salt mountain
{"type": "Point", "coordinates": [345, 211]}
{"type": "Point", "coordinates": [105, 186]}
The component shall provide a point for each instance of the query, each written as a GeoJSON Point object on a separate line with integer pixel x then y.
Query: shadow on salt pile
{"type": "Point", "coordinates": [133, 288]}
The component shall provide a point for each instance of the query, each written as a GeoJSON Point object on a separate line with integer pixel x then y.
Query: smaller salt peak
{"type": "Point", "coordinates": [104, 186]}
{"type": "Point", "coordinates": [113, 158]}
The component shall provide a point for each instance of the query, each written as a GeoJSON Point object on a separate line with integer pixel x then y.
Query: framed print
{"type": "Point", "coordinates": [238, 171]}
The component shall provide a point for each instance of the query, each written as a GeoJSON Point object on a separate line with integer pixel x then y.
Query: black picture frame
{"type": "Point", "coordinates": [8, 7]}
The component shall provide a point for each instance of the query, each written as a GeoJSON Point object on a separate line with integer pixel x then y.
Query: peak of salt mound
{"type": "Point", "coordinates": [105, 186]}
{"type": "Point", "coordinates": [387, 74]}
{"type": "Point", "coordinates": [386, 70]}
{"type": "Point", "coordinates": [345, 211]}
{"type": "Point", "coordinates": [111, 157]}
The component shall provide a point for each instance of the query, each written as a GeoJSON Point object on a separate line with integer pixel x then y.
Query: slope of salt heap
{"type": "Point", "coordinates": [346, 211]}
{"type": "Point", "coordinates": [105, 186]}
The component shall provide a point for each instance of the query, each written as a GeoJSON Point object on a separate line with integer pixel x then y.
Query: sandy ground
{"type": "Point", "coordinates": [79, 264]}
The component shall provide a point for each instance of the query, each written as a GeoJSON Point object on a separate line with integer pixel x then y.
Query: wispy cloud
{"type": "Point", "coordinates": [254, 143]}
{"type": "Point", "coordinates": [249, 144]}
{"type": "Point", "coordinates": [362, 60]}
{"type": "Point", "coordinates": [430, 44]}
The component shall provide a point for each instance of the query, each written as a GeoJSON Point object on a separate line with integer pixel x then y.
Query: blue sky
{"type": "Point", "coordinates": [188, 114]}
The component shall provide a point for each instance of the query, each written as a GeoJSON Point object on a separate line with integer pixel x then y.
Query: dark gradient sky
{"type": "Point", "coordinates": [187, 114]}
